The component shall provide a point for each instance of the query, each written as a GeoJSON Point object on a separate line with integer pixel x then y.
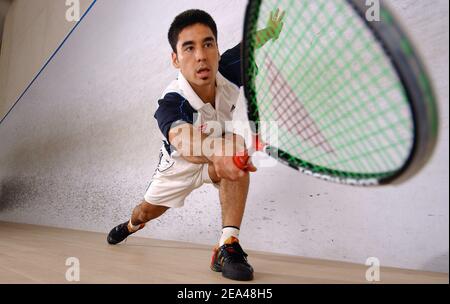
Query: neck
{"type": "Point", "coordinates": [206, 94]}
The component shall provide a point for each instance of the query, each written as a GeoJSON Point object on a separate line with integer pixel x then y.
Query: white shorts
{"type": "Point", "coordinates": [174, 179]}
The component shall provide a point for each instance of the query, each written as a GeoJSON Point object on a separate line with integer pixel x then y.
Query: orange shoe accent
{"type": "Point", "coordinates": [231, 240]}
{"type": "Point", "coordinates": [214, 256]}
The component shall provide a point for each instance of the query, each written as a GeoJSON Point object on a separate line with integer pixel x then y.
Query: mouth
{"type": "Point", "coordinates": [203, 73]}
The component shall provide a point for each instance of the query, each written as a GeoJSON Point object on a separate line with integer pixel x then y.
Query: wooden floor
{"type": "Point", "coordinates": [36, 254]}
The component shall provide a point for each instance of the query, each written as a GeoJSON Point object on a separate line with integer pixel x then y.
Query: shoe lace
{"type": "Point", "coordinates": [234, 253]}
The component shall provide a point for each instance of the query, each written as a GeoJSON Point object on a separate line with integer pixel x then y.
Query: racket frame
{"type": "Point", "coordinates": [412, 74]}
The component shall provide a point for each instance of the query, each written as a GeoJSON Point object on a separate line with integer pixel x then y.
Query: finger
{"type": "Point", "coordinates": [251, 168]}
{"type": "Point", "coordinates": [276, 13]}
{"type": "Point", "coordinates": [281, 16]}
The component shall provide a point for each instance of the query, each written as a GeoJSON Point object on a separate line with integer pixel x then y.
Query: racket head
{"type": "Point", "coordinates": [413, 96]}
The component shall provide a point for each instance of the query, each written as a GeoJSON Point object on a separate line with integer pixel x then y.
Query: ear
{"type": "Point", "coordinates": [175, 60]}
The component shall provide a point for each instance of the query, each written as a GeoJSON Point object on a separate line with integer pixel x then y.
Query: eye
{"type": "Point", "coordinates": [209, 44]}
{"type": "Point", "coordinates": [189, 49]}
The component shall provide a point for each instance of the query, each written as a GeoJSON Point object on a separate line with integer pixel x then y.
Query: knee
{"type": "Point", "coordinates": [213, 175]}
{"type": "Point", "coordinates": [150, 211]}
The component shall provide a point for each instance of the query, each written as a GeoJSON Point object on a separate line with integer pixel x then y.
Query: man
{"type": "Point", "coordinates": [191, 111]}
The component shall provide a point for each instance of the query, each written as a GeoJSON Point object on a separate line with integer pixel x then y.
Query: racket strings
{"type": "Point", "coordinates": [327, 82]}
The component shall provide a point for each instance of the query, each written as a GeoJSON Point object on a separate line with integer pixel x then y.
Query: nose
{"type": "Point", "coordinates": [200, 54]}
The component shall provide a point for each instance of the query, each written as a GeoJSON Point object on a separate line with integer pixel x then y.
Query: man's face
{"type": "Point", "coordinates": [197, 56]}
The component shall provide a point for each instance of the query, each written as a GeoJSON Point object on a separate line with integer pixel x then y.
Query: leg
{"type": "Point", "coordinates": [233, 196]}
{"type": "Point", "coordinates": [145, 212]}
{"type": "Point", "coordinates": [142, 213]}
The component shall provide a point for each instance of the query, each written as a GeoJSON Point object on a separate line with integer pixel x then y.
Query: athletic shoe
{"type": "Point", "coordinates": [120, 232]}
{"type": "Point", "coordinates": [231, 260]}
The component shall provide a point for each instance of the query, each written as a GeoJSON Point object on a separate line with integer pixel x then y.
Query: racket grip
{"type": "Point", "coordinates": [241, 161]}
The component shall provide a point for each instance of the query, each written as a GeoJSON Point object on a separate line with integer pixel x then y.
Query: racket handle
{"type": "Point", "coordinates": [241, 161]}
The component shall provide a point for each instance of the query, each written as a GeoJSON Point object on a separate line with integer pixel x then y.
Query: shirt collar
{"type": "Point", "coordinates": [191, 96]}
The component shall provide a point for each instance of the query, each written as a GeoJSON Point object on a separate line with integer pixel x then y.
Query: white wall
{"type": "Point", "coordinates": [32, 32]}
{"type": "Point", "coordinates": [4, 5]}
{"type": "Point", "coordinates": [80, 148]}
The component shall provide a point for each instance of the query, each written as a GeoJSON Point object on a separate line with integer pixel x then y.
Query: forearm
{"type": "Point", "coordinates": [196, 159]}
{"type": "Point", "coordinates": [199, 148]}
{"type": "Point", "coordinates": [193, 145]}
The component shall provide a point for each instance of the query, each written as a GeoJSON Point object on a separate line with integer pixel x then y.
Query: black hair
{"type": "Point", "coordinates": [188, 18]}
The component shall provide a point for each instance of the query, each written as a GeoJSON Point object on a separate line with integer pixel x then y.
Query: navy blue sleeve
{"type": "Point", "coordinates": [230, 65]}
{"type": "Point", "coordinates": [173, 108]}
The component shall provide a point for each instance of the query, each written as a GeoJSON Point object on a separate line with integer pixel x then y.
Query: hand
{"type": "Point", "coordinates": [275, 24]}
{"type": "Point", "coordinates": [223, 162]}
{"type": "Point", "coordinates": [225, 168]}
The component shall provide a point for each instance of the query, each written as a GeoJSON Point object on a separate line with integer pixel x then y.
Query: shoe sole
{"type": "Point", "coordinates": [237, 278]}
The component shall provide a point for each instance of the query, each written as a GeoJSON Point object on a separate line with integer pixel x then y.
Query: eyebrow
{"type": "Point", "coordinates": [190, 42]}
